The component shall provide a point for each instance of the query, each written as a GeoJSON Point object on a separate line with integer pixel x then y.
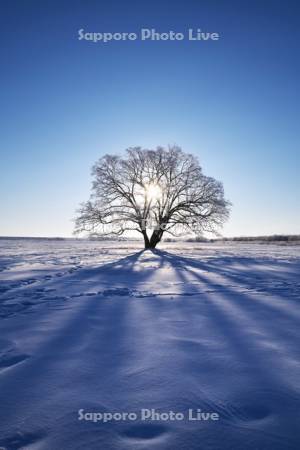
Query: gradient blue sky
{"type": "Point", "coordinates": [64, 103]}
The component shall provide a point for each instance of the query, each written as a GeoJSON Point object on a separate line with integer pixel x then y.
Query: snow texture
{"type": "Point", "coordinates": [106, 327]}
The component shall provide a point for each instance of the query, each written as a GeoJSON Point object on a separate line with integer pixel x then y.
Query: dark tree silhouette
{"type": "Point", "coordinates": [152, 192]}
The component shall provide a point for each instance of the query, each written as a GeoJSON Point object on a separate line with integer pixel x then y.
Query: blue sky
{"type": "Point", "coordinates": [65, 102]}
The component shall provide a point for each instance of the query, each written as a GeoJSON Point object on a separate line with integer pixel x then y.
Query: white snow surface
{"type": "Point", "coordinates": [106, 327]}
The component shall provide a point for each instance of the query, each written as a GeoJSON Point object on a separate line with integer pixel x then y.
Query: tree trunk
{"type": "Point", "coordinates": [146, 240]}
{"type": "Point", "coordinates": [155, 238]}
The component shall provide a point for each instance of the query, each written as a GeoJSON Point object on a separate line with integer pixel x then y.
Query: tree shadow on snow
{"type": "Point", "coordinates": [227, 342]}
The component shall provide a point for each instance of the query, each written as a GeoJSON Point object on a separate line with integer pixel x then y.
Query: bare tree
{"type": "Point", "coordinates": [152, 192]}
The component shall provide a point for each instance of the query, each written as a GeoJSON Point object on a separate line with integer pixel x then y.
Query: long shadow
{"type": "Point", "coordinates": [117, 348]}
{"type": "Point", "coordinates": [264, 370]}
{"type": "Point", "coordinates": [255, 280]}
{"type": "Point", "coordinates": [241, 287]}
{"type": "Point", "coordinates": [248, 307]}
{"type": "Point", "coordinates": [75, 329]}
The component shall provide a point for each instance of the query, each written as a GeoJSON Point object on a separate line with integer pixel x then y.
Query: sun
{"type": "Point", "coordinates": [153, 191]}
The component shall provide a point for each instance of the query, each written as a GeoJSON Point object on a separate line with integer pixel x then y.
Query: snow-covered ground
{"type": "Point", "coordinates": [106, 328]}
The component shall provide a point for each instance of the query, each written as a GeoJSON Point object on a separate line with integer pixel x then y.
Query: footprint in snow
{"type": "Point", "coordinates": [19, 440]}
{"type": "Point", "coordinates": [145, 432]}
{"type": "Point", "coordinates": [116, 292]}
{"type": "Point", "coordinates": [255, 412]}
{"type": "Point", "coordinates": [10, 356]}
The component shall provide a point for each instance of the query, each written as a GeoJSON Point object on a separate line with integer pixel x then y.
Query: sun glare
{"type": "Point", "coordinates": [153, 191]}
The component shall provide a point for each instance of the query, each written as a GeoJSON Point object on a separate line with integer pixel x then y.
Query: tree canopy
{"type": "Point", "coordinates": [152, 192]}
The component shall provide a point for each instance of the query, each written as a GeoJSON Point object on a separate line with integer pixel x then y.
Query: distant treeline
{"type": "Point", "coordinates": [293, 238]}
{"type": "Point", "coordinates": [24, 238]}
{"type": "Point", "coordinates": [280, 238]}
